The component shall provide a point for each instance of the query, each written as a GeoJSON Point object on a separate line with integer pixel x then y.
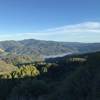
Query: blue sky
{"type": "Point", "coordinates": [58, 20]}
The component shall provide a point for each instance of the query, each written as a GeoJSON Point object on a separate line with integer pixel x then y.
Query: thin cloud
{"type": "Point", "coordinates": [82, 32]}
{"type": "Point", "coordinates": [82, 27]}
{"type": "Point", "coordinates": [93, 27]}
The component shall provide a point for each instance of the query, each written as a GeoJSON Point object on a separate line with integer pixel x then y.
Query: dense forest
{"type": "Point", "coordinates": [73, 77]}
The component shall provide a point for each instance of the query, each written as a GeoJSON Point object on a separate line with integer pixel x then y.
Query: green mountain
{"type": "Point", "coordinates": [42, 49]}
{"type": "Point", "coordinates": [73, 77]}
{"type": "Point", "coordinates": [78, 77]}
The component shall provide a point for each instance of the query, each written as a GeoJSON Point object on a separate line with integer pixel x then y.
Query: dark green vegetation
{"type": "Point", "coordinates": [39, 49]}
{"type": "Point", "coordinates": [75, 77]}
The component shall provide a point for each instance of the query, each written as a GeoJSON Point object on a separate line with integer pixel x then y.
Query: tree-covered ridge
{"type": "Point", "coordinates": [75, 77]}
{"type": "Point", "coordinates": [23, 71]}
{"type": "Point", "coordinates": [40, 49]}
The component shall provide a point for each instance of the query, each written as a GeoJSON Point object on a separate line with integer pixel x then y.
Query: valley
{"type": "Point", "coordinates": [74, 76]}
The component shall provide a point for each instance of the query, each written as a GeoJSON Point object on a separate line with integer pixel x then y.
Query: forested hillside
{"type": "Point", "coordinates": [39, 49]}
{"type": "Point", "coordinates": [75, 77]}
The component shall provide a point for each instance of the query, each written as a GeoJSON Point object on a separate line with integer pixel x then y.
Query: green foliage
{"type": "Point", "coordinates": [75, 77]}
{"type": "Point", "coordinates": [30, 89]}
{"type": "Point", "coordinates": [30, 71]}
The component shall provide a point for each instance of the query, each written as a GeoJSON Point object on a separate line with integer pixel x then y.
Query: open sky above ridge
{"type": "Point", "coordinates": [58, 20]}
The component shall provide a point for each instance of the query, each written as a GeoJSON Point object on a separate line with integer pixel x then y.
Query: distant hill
{"type": "Point", "coordinates": [40, 49]}
{"type": "Point", "coordinates": [5, 67]}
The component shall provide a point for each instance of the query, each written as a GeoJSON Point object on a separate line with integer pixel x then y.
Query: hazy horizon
{"type": "Point", "coordinates": [46, 40]}
{"type": "Point", "coordinates": [52, 20]}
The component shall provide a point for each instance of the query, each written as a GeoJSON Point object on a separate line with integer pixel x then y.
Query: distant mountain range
{"type": "Point", "coordinates": [40, 49]}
